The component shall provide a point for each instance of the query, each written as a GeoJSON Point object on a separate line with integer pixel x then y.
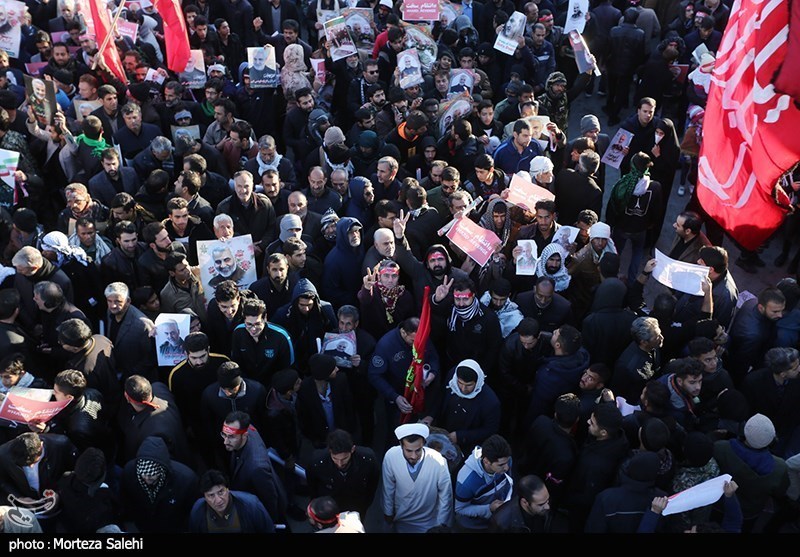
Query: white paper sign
{"type": "Point", "coordinates": [526, 262]}
{"type": "Point", "coordinates": [171, 329]}
{"type": "Point", "coordinates": [576, 16]}
{"type": "Point", "coordinates": [698, 496]}
{"type": "Point", "coordinates": [615, 152]}
{"type": "Point", "coordinates": [508, 38]}
{"type": "Point", "coordinates": [565, 236]}
{"type": "Point", "coordinates": [681, 276]}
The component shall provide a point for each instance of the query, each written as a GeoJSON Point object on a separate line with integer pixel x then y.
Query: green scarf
{"type": "Point", "coordinates": [624, 188]}
{"type": "Point", "coordinates": [97, 145]}
{"type": "Point", "coordinates": [207, 108]}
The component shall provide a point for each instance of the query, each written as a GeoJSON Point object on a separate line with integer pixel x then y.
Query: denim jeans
{"type": "Point", "coordinates": [637, 240]}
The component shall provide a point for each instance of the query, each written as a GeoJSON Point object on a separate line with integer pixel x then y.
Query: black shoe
{"type": "Point", "coordinates": [781, 259]}
{"type": "Point", "coordinates": [746, 265]}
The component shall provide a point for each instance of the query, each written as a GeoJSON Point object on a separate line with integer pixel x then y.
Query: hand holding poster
{"type": "Point", "coordinates": [12, 15]}
{"type": "Point", "coordinates": [40, 94]}
{"type": "Point", "coordinates": [565, 236]}
{"type": "Point", "coordinates": [508, 38]}
{"type": "Point", "coordinates": [453, 109]}
{"type": "Point", "coordinates": [419, 37]}
{"type": "Point", "coordinates": [576, 16]}
{"type": "Point", "coordinates": [476, 241]}
{"type": "Point", "coordinates": [410, 68]}
{"type": "Point", "coordinates": [341, 43]}
{"type": "Point", "coordinates": [360, 22]}
{"type": "Point", "coordinates": [341, 346]}
{"type": "Point", "coordinates": [525, 194]}
{"type": "Point", "coordinates": [697, 496]}
{"type": "Point", "coordinates": [583, 57]}
{"type": "Point", "coordinates": [526, 261]}
{"type": "Point", "coordinates": [617, 150]}
{"type": "Point", "coordinates": [171, 329]}
{"type": "Point", "coordinates": [684, 277]}
{"type": "Point", "coordinates": [233, 260]}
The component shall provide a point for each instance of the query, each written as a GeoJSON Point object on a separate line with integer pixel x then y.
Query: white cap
{"type": "Point", "coordinates": [216, 67]}
{"type": "Point", "coordinates": [600, 230]}
{"type": "Point", "coordinates": [405, 430]}
{"type": "Point", "coordinates": [388, 3]}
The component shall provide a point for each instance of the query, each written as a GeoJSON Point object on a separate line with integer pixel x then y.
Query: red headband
{"type": "Point", "coordinates": [462, 296]}
{"type": "Point", "coordinates": [545, 18]}
{"type": "Point", "coordinates": [436, 255]}
{"type": "Point", "coordinates": [145, 402]}
{"type": "Point", "coordinates": [228, 430]}
{"type": "Point", "coordinates": [323, 521]}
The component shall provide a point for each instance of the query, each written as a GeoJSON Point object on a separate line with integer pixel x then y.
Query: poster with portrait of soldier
{"type": "Point", "coordinates": [340, 42]}
{"type": "Point", "coordinates": [262, 68]}
{"type": "Point", "coordinates": [194, 75]}
{"type": "Point", "coordinates": [40, 95]}
{"type": "Point", "coordinates": [453, 109]}
{"type": "Point", "coordinates": [232, 259]}
{"type": "Point", "coordinates": [409, 67]}
{"type": "Point", "coordinates": [360, 22]}
{"type": "Point", "coordinates": [171, 329]}
{"type": "Point", "coordinates": [11, 13]}
{"type": "Point", "coordinates": [460, 81]}
{"type": "Point", "coordinates": [508, 38]}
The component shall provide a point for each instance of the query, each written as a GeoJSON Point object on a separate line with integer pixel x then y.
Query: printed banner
{"type": "Point", "coordinates": [420, 10]}
{"type": "Point", "coordinates": [525, 194]}
{"type": "Point", "coordinates": [583, 57]}
{"type": "Point", "coordinates": [461, 81]}
{"type": "Point", "coordinates": [360, 23]}
{"type": "Point", "coordinates": [448, 12]}
{"type": "Point", "coordinates": [419, 37]}
{"type": "Point", "coordinates": [230, 260]}
{"type": "Point", "coordinates": [476, 241]}
{"type": "Point", "coordinates": [128, 29]}
{"type": "Point", "coordinates": [263, 68]}
{"type": "Point", "coordinates": [194, 75]}
{"type": "Point", "coordinates": [171, 329]}
{"type": "Point", "coordinates": [576, 16]}
{"type": "Point", "coordinates": [40, 94]}
{"type": "Point", "coordinates": [453, 109]}
{"type": "Point", "coordinates": [684, 277]}
{"type": "Point", "coordinates": [24, 405]}
{"type": "Point", "coordinates": [526, 262]}
{"type": "Point", "coordinates": [341, 346]}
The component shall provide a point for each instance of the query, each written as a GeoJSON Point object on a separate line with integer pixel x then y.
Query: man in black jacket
{"type": "Point", "coordinates": [627, 52]}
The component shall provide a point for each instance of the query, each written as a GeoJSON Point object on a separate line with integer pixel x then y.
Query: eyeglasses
{"type": "Point", "coordinates": [372, 71]}
{"type": "Point", "coordinates": [256, 325]}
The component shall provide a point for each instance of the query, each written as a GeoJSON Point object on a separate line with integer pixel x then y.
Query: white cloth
{"type": "Point", "coordinates": [417, 505]}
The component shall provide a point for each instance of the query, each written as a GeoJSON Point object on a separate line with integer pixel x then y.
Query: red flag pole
{"type": "Point", "coordinates": [414, 391]}
{"type": "Point", "coordinates": [108, 36]}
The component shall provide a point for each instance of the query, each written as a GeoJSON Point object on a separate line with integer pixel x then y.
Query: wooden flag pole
{"type": "Point", "coordinates": [110, 34]}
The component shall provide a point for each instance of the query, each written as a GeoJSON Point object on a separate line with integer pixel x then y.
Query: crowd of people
{"type": "Point", "coordinates": [556, 399]}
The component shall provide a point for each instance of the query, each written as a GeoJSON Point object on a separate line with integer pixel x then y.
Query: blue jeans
{"type": "Point", "coordinates": [637, 240]}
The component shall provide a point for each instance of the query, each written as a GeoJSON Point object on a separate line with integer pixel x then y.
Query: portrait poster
{"type": "Point", "coordinates": [526, 262]}
{"type": "Point", "coordinates": [11, 14]}
{"type": "Point", "coordinates": [341, 43]}
{"type": "Point", "coordinates": [421, 10]}
{"type": "Point", "coordinates": [419, 36]}
{"type": "Point", "coordinates": [679, 72]}
{"type": "Point", "coordinates": [508, 38]}
{"type": "Point", "coordinates": [525, 194]}
{"type": "Point", "coordinates": [474, 240]}
{"type": "Point", "coordinates": [194, 75]}
{"type": "Point", "coordinates": [59, 36]}
{"type": "Point", "coordinates": [565, 236]}
{"type": "Point", "coordinates": [29, 405]}
{"type": "Point", "coordinates": [171, 329]}
{"type": "Point", "coordinates": [360, 23]}
{"type": "Point", "coordinates": [453, 109]}
{"type": "Point", "coordinates": [341, 346]}
{"type": "Point", "coordinates": [576, 16]}
{"type": "Point", "coordinates": [230, 260]}
{"type": "Point", "coordinates": [410, 69]}
{"type": "Point", "coordinates": [323, 16]}
{"type": "Point", "coordinates": [583, 56]}
{"type": "Point", "coordinates": [191, 131]}
{"type": "Point", "coordinates": [461, 80]}
{"type": "Point", "coordinates": [83, 107]}
{"type": "Point", "coordinates": [263, 67]}
{"type": "Point", "coordinates": [154, 76]}
{"type": "Point", "coordinates": [678, 275]}
{"type": "Point", "coordinates": [41, 95]}
{"type": "Point", "coordinates": [448, 12]}
{"type": "Point", "coordinates": [615, 152]}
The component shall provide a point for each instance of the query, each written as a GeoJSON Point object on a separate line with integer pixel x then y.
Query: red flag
{"type": "Point", "coordinates": [102, 28]}
{"type": "Point", "coordinates": [750, 131]}
{"type": "Point", "coordinates": [414, 391]}
{"type": "Point", "coordinates": [176, 36]}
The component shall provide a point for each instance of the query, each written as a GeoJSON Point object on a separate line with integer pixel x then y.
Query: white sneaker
{"type": "Point", "coordinates": [681, 191]}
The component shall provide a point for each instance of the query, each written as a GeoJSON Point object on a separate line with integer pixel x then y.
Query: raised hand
{"type": "Point", "coordinates": [399, 224]}
{"type": "Point", "coordinates": [443, 290]}
{"type": "Point", "coordinates": [370, 279]}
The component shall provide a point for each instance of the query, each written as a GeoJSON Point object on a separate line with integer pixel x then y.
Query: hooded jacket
{"type": "Point", "coordinates": [476, 489]}
{"type": "Point", "coordinates": [357, 207]}
{"type": "Point", "coordinates": [304, 330]}
{"type": "Point", "coordinates": [472, 417]}
{"type": "Point", "coordinates": [342, 277]}
{"type": "Point", "coordinates": [556, 376]}
{"type": "Point", "coordinates": [606, 330]}
{"type": "Point", "coordinates": [169, 511]}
